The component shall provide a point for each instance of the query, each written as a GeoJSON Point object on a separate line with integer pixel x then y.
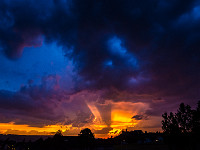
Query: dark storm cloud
{"type": "Point", "coordinates": [44, 105]}
{"type": "Point", "coordinates": [138, 117]}
{"type": "Point", "coordinates": [103, 130]}
{"type": "Point", "coordinates": [143, 47]}
{"type": "Point", "coordinates": [24, 109]}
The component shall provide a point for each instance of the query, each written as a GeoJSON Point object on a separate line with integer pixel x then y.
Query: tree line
{"type": "Point", "coordinates": [185, 121]}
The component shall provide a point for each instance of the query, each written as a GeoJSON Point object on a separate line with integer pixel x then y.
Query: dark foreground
{"type": "Point", "coordinates": [141, 147]}
{"type": "Point", "coordinates": [126, 141]}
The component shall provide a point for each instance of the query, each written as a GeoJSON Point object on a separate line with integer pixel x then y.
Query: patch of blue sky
{"type": "Point", "coordinates": [34, 64]}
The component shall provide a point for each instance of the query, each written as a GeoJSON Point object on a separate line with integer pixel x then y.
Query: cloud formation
{"type": "Point", "coordinates": [137, 51]}
{"type": "Point", "coordinates": [136, 41]}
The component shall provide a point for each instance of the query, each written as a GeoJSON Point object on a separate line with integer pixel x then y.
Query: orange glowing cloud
{"type": "Point", "coordinates": [109, 119]}
{"type": "Point", "coordinates": [11, 128]}
{"type": "Point", "coordinates": [120, 115]}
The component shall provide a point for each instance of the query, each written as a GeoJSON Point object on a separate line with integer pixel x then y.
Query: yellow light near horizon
{"type": "Point", "coordinates": [120, 118]}
{"type": "Point", "coordinates": [115, 132]}
{"type": "Point", "coordinates": [122, 113]}
{"type": "Point", "coordinates": [11, 128]}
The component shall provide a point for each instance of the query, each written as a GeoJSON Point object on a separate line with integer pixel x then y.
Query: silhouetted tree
{"type": "Point", "coordinates": [86, 133]}
{"type": "Point", "coordinates": [185, 120]}
{"type": "Point", "coordinates": [58, 133]}
{"type": "Point", "coordinates": [196, 120]}
{"type": "Point", "coordinates": [57, 141]}
{"type": "Point", "coordinates": [86, 137]}
{"type": "Point", "coordinates": [170, 124]}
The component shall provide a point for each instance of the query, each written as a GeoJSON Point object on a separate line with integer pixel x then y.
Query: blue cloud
{"type": "Point", "coordinates": [35, 63]}
{"type": "Point", "coordinates": [117, 47]}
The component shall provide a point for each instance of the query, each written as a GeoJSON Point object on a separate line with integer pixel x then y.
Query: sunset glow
{"type": "Point", "coordinates": [121, 118]}
{"type": "Point", "coordinates": [103, 65]}
{"type": "Point", "coordinates": [11, 128]}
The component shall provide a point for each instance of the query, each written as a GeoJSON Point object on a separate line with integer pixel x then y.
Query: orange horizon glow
{"type": "Point", "coordinates": [11, 128]}
{"type": "Point", "coordinates": [120, 119]}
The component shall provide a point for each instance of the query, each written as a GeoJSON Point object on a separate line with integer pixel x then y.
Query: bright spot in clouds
{"type": "Point", "coordinates": [121, 118]}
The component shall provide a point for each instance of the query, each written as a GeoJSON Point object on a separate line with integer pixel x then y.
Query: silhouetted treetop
{"type": "Point", "coordinates": [186, 120]}
{"type": "Point", "coordinates": [87, 133]}
{"type": "Point", "coordinates": [58, 134]}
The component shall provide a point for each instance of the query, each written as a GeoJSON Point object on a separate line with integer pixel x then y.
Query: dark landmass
{"type": "Point", "coordinates": [25, 138]}
{"type": "Point", "coordinates": [127, 140]}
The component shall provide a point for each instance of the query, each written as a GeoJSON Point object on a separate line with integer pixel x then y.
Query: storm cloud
{"type": "Point", "coordinates": [132, 50]}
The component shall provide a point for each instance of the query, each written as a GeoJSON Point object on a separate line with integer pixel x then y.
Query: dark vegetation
{"type": "Point", "coordinates": [181, 131]}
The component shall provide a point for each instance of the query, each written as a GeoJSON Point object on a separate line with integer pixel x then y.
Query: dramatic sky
{"type": "Point", "coordinates": [103, 64]}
